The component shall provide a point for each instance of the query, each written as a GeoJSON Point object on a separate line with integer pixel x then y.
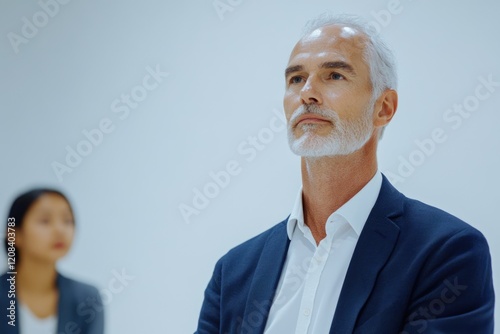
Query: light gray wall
{"type": "Point", "coordinates": [224, 85]}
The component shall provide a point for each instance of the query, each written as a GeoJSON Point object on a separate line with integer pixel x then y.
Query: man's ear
{"type": "Point", "coordinates": [385, 108]}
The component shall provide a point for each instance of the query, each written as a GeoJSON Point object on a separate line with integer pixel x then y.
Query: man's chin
{"type": "Point", "coordinates": [321, 151]}
{"type": "Point", "coordinates": [313, 152]}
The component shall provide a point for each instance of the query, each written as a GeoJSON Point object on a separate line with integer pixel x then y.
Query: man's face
{"type": "Point", "coordinates": [328, 98]}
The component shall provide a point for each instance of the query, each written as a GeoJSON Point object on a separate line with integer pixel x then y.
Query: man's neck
{"type": "Point", "coordinates": [329, 182]}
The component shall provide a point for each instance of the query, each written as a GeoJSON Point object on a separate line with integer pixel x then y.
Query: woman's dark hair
{"type": "Point", "coordinates": [23, 203]}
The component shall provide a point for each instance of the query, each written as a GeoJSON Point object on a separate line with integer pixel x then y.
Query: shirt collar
{"type": "Point", "coordinates": [355, 211]}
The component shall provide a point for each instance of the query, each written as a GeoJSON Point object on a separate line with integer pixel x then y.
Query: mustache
{"type": "Point", "coordinates": [329, 114]}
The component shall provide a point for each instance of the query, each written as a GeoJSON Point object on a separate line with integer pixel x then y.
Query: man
{"type": "Point", "coordinates": [355, 255]}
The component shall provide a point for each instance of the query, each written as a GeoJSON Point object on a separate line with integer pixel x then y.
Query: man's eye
{"type": "Point", "coordinates": [336, 76]}
{"type": "Point", "coordinates": [295, 80]}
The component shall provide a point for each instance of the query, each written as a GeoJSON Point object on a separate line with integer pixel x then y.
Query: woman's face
{"type": "Point", "coordinates": [47, 230]}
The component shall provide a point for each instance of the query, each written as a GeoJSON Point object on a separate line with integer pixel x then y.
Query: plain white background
{"type": "Point", "coordinates": [224, 85]}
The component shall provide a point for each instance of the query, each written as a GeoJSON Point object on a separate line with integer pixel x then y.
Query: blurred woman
{"type": "Point", "coordinates": [38, 299]}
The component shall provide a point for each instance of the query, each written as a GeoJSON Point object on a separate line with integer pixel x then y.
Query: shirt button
{"type": "Point", "coordinates": [307, 312]}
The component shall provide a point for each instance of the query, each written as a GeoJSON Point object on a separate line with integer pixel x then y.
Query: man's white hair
{"type": "Point", "coordinates": [378, 56]}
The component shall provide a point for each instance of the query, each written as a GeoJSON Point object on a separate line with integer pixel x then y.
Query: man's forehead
{"type": "Point", "coordinates": [333, 30]}
{"type": "Point", "coordinates": [333, 38]}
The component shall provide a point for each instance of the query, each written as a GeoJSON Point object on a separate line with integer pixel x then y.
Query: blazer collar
{"type": "Point", "coordinates": [374, 247]}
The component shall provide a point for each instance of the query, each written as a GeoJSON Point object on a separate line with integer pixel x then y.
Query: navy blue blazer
{"type": "Point", "coordinates": [80, 309]}
{"type": "Point", "coordinates": [415, 269]}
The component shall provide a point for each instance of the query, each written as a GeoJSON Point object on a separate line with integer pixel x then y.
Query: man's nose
{"type": "Point", "coordinates": [310, 93]}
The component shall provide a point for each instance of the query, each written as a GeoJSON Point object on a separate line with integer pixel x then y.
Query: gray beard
{"type": "Point", "coordinates": [344, 138]}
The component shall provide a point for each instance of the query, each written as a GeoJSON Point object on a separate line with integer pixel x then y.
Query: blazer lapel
{"type": "Point", "coordinates": [265, 280]}
{"type": "Point", "coordinates": [372, 251]}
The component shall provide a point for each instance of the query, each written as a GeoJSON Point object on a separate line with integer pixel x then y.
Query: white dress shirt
{"type": "Point", "coordinates": [31, 324]}
{"type": "Point", "coordinates": [312, 276]}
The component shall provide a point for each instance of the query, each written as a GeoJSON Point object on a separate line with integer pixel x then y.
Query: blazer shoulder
{"type": "Point", "coordinates": [253, 246]}
{"type": "Point", "coordinates": [5, 284]}
{"type": "Point", "coordinates": [80, 303]}
{"type": "Point", "coordinates": [3, 279]}
{"type": "Point", "coordinates": [418, 218]}
{"type": "Point", "coordinates": [78, 289]}
{"type": "Point", "coordinates": [74, 285]}
{"type": "Point", "coordinates": [423, 218]}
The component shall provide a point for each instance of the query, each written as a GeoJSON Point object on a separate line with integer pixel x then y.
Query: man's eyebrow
{"type": "Point", "coordinates": [339, 64]}
{"type": "Point", "coordinates": [329, 64]}
{"type": "Point", "coordinates": [292, 69]}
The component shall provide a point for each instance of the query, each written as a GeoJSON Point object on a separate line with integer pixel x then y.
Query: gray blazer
{"type": "Point", "coordinates": [80, 309]}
